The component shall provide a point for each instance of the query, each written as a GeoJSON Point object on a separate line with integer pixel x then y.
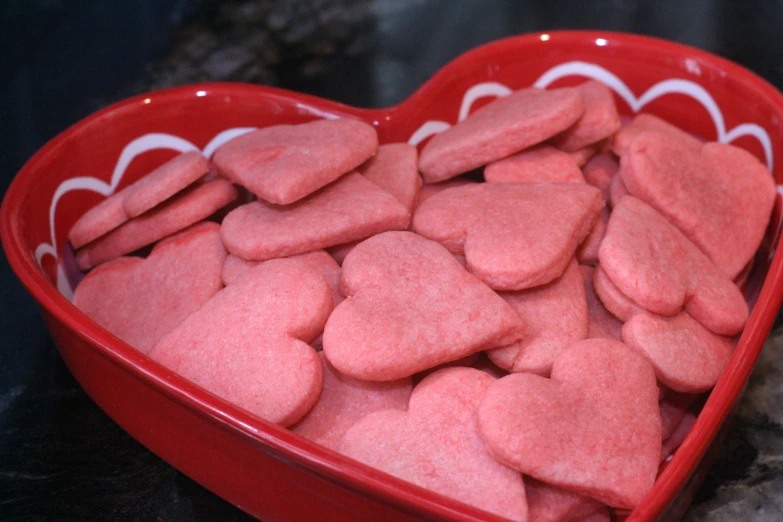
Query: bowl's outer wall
{"type": "Point", "coordinates": [263, 469]}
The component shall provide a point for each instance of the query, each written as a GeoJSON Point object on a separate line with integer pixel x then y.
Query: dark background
{"type": "Point", "coordinates": [61, 458]}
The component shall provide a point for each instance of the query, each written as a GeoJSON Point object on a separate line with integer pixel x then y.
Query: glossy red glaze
{"type": "Point", "coordinates": [266, 470]}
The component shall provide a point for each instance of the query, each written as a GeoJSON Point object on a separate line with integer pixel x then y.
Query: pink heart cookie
{"type": "Point", "coordinates": [686, 357]}
{"type": "Point", "coordinates": [742, 278]}
{"type": "Point", "coordinates": [617, 190]}
{"type": "Point", "coordinates": [436, 445]}
{"type": "Point", "coordinates": [540, 163]}
{"type": "Point", "coordinates": [235, 267]}
{"type": "Point", "coordinates": [141, 300]}
{"type": "Point", "coordinates": [583, 155]}
{"type": "Point", "coordinates": [395, 169]}
{"type": "Point", "coordinates": [257, 329]}
{"type": "Point", "coordinates": [513, 235]}
{"type": "Point", "coordinates": [410, 306]}
{"type": "Point", "coordinates": [340, 252]}
{"type": "Point", "coordinates": [556, 317]}
{"type": "Point", "coordinates": [648, 122]}
{"type": "Point", "coordinates": [135, 199]}
{"type": "Point", "coordinates": [600, 171]}
{"type": "Point", "coordinates": [349, 209]}
{"type": "Point", "coordinates": [163, 182]}
{"type": "Point", "coordinates": [98, 221]}
{"type": "Point", "coordinates": [657, 267]}
{"type": "Point", "coordinates": [154, 188]}
{"type": "Point", "coordinates": [284, 163]}
{"type": "Point", "coordinates": [600, 323]}
{"type": "Point", "coordinates": [470, 360]}
{"type": "Point", "coordinates": [547, 503]}
{"type": "Point", "coordinates": [587, 253]}
{"type": "Point", "coordinates": [677, 437]}
{"type": "Point", "coordinates": [594, 428]}
{"type": "Point", "coordinates": [186, 208]}
{"type": "Point", "coordinates": [673, 408]}
{"type": "Point", "coordinates": [600, 119]}
{"type": "Point", "coordinates": [505, 126]}
{"type": "Point", "coordinates": [719, 196]}
{"type": "Point", "coordinates": [484, 364]}
{"type": "Point", "coordinates": [601, 516]}
{"type": "Point", "coordinates": [430, 189]}
{"type": "Point", "coordinates": [616, 303]}
{"type": "Point", "coordinates": [344, 400]}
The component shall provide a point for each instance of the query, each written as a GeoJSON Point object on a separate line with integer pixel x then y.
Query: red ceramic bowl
{"type": "Point", "coordinates": [266, 470]}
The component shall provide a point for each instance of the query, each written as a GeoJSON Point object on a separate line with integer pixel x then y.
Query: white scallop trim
{"type": "Point", "coordinates": [674, 85]}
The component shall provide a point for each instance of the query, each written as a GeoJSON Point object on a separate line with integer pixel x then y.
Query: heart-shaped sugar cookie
{"type": "Point", "coordinates": [681, 431]}
{"type": "Point", "coordinates": [340, 252]}
{"type": "Point", "coordinates": [188, 207]}
{"type": "Point", "coordinates": [344, 400]}
{"type": "Point", "coordinates": [505, 126]}
{"type": "Point", "coordinates": [430, 189]}
{"type": "Point", "coordinates": [686, 357]}
{"type": "Point", "coordinates": [235, 267]}
{"type": "Point", "coordinates": [583, 155]}
{"type": "Point", "coordinates": [673, 408]}
{"type": "Point", "coordinates": [436, 445]}
{"type": "Point", "coordinates": [284, 163]}
{"type": "Point", "coordinates": [601, 324]}
{"type": "Point", "coordinates": [587, 253]}
{"type": "Point", "coordinates": [154, 188]}
{"type": "Point", "coordinates": [617, 190]}
{"type": "Point", "coordinates": [395, 168]}
{"type": "Point", "coordinates": [547, 503]}
{"type": "Point", "coordinates": [648, 122]}
{"type": "Point", "coordinates": [248, 343]}
{"type": "Point", "coordinates": [600, 171]}
{"type": "Point", "coordinates": [652, 263]}
{"type": "Point", "coordinates": [410, 306]}
{"type": "Point", "coordinates": [593, 428]}
{"type": "Point", "coordinates": [616, 303]}
{"type": "Point", "coordinates": [602, 515]}
{"type": "Point", "coordinates": [99, 220]}
{"type": "Point", "coordinates": [164, 182]}
{"type": "Point", "coordinates": [141, 300]}
{"type": "Point", "coordinates": [349, 209]}
{"type": "Point", "coordinates": [600, 119]}
{"type": "Point", "coordinates": [720, 196]}
{"type": "Point", "coordinates": [556, 317]}
{"type": "Point", "coordinates": [513, 235]}
{"type": "Point", "coordinates": [540, 163]}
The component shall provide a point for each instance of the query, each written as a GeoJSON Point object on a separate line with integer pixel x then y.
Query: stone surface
{"type": "Point", "coordinates": [746, 480]}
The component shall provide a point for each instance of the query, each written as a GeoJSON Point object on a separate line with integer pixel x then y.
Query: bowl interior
{"type": "Point", "coordinates": [703, 94]}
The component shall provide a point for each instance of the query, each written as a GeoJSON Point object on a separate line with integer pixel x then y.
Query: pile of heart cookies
{"type": "Point", "coordinates": [519, 316]}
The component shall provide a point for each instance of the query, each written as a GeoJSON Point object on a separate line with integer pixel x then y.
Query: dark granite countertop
{"type": "Point", "coordinates": [61, 458]}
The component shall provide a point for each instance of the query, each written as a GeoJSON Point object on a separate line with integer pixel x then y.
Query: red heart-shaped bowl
{"type": "Point", "coordinates": [264, 469]}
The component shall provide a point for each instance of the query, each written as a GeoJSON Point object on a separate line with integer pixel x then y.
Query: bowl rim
{"type": "Point", "coordinates": [309, 455]}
